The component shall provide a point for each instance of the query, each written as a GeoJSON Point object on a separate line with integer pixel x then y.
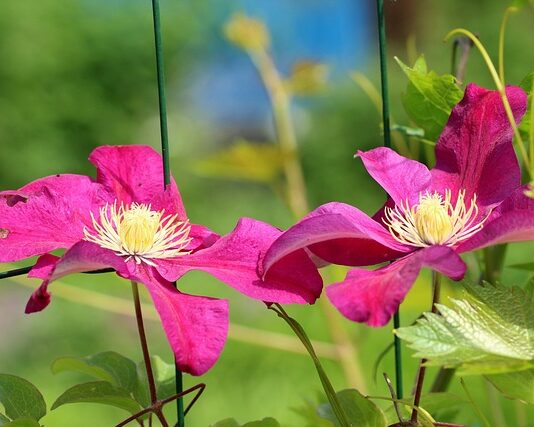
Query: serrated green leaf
{"type": "Point", "coordinates": [360, 411]}
{"type": "Point", "coordinates": [429, 98]}
{"type": "Point", "coordinates": [20, 398]}
{"type": "Point", "coordinates": [245, 161]}
{"type": "Point", "coordinates": [228, 422]}
{"type": "Point", "coordinates": [515, 385]}
{"type": "Point", "coordinates": [489, 331]}
{"type": "Point", "coordinates": [23, 422]}
{"type": "Point", "coordinates": [98, 392]}
{"type": "Point", "coordinates": [108, 366]}
{"type": "Point", "coordinates": [266, 422]}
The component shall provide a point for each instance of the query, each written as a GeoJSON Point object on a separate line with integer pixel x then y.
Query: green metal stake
{"type": "Point", "coordinates": [387, 143]}
{"type": "Point", "coordinates": [165, 154]}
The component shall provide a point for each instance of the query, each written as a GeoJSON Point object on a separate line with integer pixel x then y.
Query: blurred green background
{"type": "Point", "coordinates": [77, 74]}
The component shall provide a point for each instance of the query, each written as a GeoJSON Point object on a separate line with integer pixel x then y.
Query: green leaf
{"type": "Point", "coordinates": [429, 98]}
{"type": "Point", "coordinates": [98, 392]}
{"type": "Point", "coordinates": [360, 411]}
{"type": "Point", "coordinates": [20, 398]}
{"type": "Point", "coordinates": [23, 422]}
{"type": "Point", "coordinates": [515, 385]}
{"type": "Point", "coordinates": [489, 331]}
{"type": "Point", "coordinates": [228, 422]}
{"type": "Point", "coordinates": [163, 375]}
{"type": "Point", "coordinates": [246, 161]}
{"type": "Point", "coordinates": [266, 422]}
{"type": "Point", "coordinates": [526, 85]}
{"type": "Point", "coordinates": [308, 411]}
{"type": "Point", "coordinates": [108, 366]}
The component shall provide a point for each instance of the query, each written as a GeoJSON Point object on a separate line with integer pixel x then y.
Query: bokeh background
{"type": "Point", "coordinates": [77, 74]}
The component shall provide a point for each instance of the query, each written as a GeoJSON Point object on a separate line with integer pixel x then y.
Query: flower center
{"type": "Point", "coordinates": [138, 232]}
{"type": "Point", "coordinates": [434, 220]}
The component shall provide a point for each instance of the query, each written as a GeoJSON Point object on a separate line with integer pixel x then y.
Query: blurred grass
{"type": "Point", "coordinates": [75, 74]}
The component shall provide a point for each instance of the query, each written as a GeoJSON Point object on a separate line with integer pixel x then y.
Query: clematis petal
{"type": "Point", "coordinates": [511, 221]}
{"type": "Point", "coordinates": [196, 327]}
{"type": "Point", "coordinates": [475, 152]}
{"type": "Point", "coordinates": [47, 214]}
{"type": "Point", "coordinates": [374, 296]}
{"type": "Point", "coordinates": [134, 173]}
{"type": "Point", "coordinates": [402, 178]}
{"type": "Point", "coordinates": [340, 234]}
{"type": "Point", "coordinates": [83, 256]}
{"type": "Point", "coordinates": [234, 258]}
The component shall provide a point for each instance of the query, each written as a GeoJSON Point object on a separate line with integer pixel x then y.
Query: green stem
{"type": "Point", "coordinates": [509, 10]}
{"type": "Point", "coordinates": [494, 262]}
{"type": "Point", "coordinates": [160, 70]}
{"type": "Point", "coordinates": [387, 143]}
{"type": "Point", "coordinates": [500, 87]}
{"type": "Point", "coordinates": [327, 385]}
{"type": "Point", "coordinates": [436, 285]}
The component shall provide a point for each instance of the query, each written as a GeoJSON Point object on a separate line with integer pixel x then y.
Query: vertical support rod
{"type": "Point", "coordinates": [387, 143]}
{"type": "Point", "coordinates": [160, 69]}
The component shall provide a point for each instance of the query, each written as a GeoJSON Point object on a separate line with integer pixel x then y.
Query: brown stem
{"type": "Point", "coordinates": [144, 344]}
{"type": "Point", "coordinates": [436, 284]}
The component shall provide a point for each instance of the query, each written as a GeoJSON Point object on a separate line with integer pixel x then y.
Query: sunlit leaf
{"type": "Point", "coordinates": [245, 161]}
{"type": "Point", "coordinates": [266, 422]}
{"type": "Point", "coordinates": [360, 411]}
{"type": "Point", "coordinates": [108, 366]}
{"type": "Point", "coordinates": [526, 85]}
{"type": "Point", "coordinates": [22, 422]}
{"type": "Point", "coordinates": [229, 422]}
{"type": "Point", "coordinates": [489, 331]}
{"type": "Point", "coordinates": [164, 374]}
{"type": "Point", "coordinates": [101, 392]}
{"type": "Point", "coordinates": [515, 385]}
{"type": "Point", "coordinates": [429, 98]}
{"type": "Point", "coordinates": [20, 398]}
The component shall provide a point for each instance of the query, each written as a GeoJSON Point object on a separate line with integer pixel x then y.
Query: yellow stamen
{"type": "Point", "coordinates": [138, 232]}
{"type": "Point", "coordinates": [434, 220]}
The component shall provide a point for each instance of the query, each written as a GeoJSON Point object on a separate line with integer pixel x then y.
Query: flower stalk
{"type": "Point", "coordinates": [160, 71]}
{"type": "Point", "coordinates": [436, 286]}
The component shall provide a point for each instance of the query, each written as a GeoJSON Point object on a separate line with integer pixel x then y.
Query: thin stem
{"type": "Point", "coordinates": [443, 380]}
{"type": "Point", "coordinates": [509, 10]}
{"type": "Point", "coordinates": [144, 344]}
{"type": "Point", "coordinates": [327, 385]}
{"type": "Point", "coordinates": [281, 109]}
{"type": "Point", "coordinates": [383, 71]}
{"type": "Point", "coordinates": [25, 270]}
{"type": "Point", "coordinates": [160, 69]}
{"type": "Point", "coordinates": [436, 285]}
{"type": "Point", "coordinates": [398, 357]}
{"type": "Point", "coordinates": [474, 405]}
{"type": "Point", "coordinates": [500, 87]}
{"type": "Point", "coordinates": [497, 414]}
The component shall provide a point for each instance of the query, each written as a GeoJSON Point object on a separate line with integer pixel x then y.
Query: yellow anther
{"type": "Point", "coordinates": [138, 232]}
{"type": "Point", "coordinates": [434, 220]}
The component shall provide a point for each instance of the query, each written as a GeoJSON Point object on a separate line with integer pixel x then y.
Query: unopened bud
{"type": "Point", "coordinates": [247, 33]}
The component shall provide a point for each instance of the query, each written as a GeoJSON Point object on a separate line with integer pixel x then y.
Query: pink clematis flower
{"type": "Point", "coordinates": [471, 199]}
{"type": "Point", "coordinates": [126, 221]}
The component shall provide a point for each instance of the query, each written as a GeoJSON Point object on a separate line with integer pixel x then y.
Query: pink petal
{"type": "Point", "coordinates": [134, 173]}
{"type": "Point", "coordinates": [233, 259]}
{"type": "Point", "coordinates": [475, 152]}
{"type": "Point", "coordinates": [83, 256]}
{"type": "Point", "coordinates": [402, 178]}
{"type": "Point", "coordinates": [196, 327]}
{"type": "Point", "coordinates": [374, 296]}
{"type": "Point", "coordinates": [47, 214]}
{"type": "Point", "coordinates": [511, 221]}
{"type": "Point", "coordinates": [340, 234]}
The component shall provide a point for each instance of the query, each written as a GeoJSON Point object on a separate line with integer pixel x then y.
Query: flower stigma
{"type": "Point", "coordinates": [139, 233]}
{"type": "Point", "coordinates": [435, 220]}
